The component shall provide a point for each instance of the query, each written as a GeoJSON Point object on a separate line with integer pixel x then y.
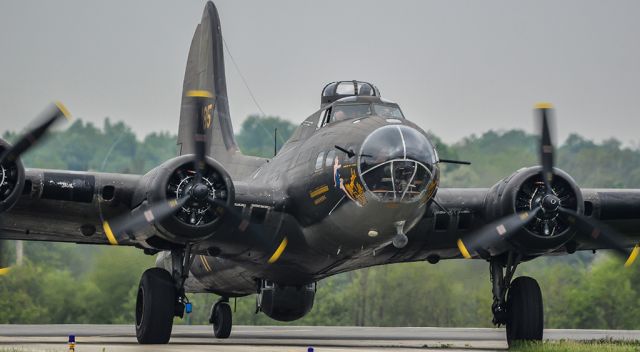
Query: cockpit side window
{"type": "Point", "coordinates": [351, 111]}
{"type": "Point", "coordinates": [390, 111]}
{"type": "Point", "coordinates": [324, 116]}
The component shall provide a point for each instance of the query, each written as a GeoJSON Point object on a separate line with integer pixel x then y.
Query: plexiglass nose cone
{"type": "Point", "coordinates": [396, 163]}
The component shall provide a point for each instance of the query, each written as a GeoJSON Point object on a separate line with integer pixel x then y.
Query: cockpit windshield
{"type": "Point", "coordinates": [387, 111]}
{"type": "Point", "coordinates": [351, 111]}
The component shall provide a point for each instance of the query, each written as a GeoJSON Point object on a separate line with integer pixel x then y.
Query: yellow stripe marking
{"type": "Point", "coordinates": [318, 191]}
{"type": "Point", "coordinates": [63, 109]}
{"type": "Point", "coordinates": [632, 256]}
{"type": "Point", "coordinates": [320, 200]}
{"type": "Point", "coordinates": [544, 105]}
{"type": "Point", "coordinates": [199, 94]}
{"type": "Point", "coordinates": [204, 263]}
{"type": "Point", "coordinates": [276, 255]}
{"type": "Point", "coordinates": [4, 271]}
{"type": "Point", "coordinates": [109, 233]}
{"type": "Point", "coordinates": [463, 249]}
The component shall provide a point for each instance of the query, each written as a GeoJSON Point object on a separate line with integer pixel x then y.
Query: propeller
{"type": "Point", "coordinates": [4, 266]}
{"type": "Point", "coordinates": [44, 122]}
{"type": "Point", "coordinates": [196, 192]}
{"type": "Point", "coordinates": [550, 206]}
{"type": "Point", "coordinates": [496, 231]}
{"type": "Point", "coordinates": [117, 229]}
{"type": "Point", "coordinates": [50, 116]}
{"type": "Point", "coordinates": [200, 98]}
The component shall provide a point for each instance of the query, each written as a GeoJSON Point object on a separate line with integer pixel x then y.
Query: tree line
{"type": "Point", "coordinates": [67, 283]}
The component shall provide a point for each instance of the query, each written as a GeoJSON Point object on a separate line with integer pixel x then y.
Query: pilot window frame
{"type": "Point", "coordinates": [394, 106]}
{"type": "Point", "coordinates": [322, 119]}
{"type": "Point", "coordinates": [334, 109]}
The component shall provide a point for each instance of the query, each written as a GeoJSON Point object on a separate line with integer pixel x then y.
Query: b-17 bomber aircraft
{"type": "Point", "coordinates": [355, 186]}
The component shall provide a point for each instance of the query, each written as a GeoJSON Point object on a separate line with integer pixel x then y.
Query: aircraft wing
{"type": "Point", "coordinates": [68, 206]}
{"type": "Point", "coordinates": [460, 212]}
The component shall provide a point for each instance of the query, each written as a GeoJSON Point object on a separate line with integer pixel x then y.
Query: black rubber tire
{"type": "Point", "coordinates": [525, 320]}
{"type": "Point", "coordinates": [155, 307]}
{"type": "Point", "coordinates": [222, 320]}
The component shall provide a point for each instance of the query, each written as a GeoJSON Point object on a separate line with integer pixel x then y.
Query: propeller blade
{"type": "Point", "coordinates": [53, 113]}
{"type": "Point", "coordinates": [4, 262]}
{"type": "Point", "coordinates": [546, 145]}
{"type": "Point", "coordinates": [601, 234]}
{"type": "Point", "coordinates": [117, 229]}
{"type": "Point", "coordinates": [4, 265]}
{"type": "Point", "coordinates": [200, 98]}
{"type": "Point", "coordinates": [495, 232]}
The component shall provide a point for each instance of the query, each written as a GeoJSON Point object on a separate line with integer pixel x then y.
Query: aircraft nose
{"type": "Point", "coordinates": [397, 163]}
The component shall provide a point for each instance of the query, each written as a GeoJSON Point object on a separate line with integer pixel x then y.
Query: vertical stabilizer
{"type": "Point", "coordinates": [205, 71]}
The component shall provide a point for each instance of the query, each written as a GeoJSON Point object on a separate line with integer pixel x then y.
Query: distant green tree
{"type": "Point", "coordinates": [67, 283]}
{"type": "Point", "coordinates": [256, 136]}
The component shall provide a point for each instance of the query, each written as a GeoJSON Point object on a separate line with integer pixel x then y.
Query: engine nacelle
{"type": "Point", "coordinates": [11, 180]}
{"type": "Point", "coordinates": [194, 221]}
{"type": "Point", "coordinates": [286, 303]}
{"type": "Point", "coordinates": [523, 191]}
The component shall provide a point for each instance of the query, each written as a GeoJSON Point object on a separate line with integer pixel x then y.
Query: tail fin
{"type": "Point", "coordinates": [205, 71]}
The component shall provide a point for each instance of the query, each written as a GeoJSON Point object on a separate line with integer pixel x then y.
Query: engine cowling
{"type": "Point", "coordinates": [523, 191]}
{"type": "Point", "coordinates": [12, 178]}
{"type": "Point", "coordinates": [196, 220]}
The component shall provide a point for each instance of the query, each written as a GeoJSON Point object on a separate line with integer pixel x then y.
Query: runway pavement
{"type": "Point", "coordinates": [281, 338]}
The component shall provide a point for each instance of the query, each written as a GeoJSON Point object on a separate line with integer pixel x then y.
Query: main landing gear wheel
{"type": "Point", "coordinates": [222, 319]}
{"type": "Point", "coordinates": [525, 319]}
{"type": "Point", "coordinates": [155, 307]}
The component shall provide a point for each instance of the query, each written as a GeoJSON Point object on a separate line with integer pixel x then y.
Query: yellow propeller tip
{"type": "Point", "coordinates": [109, 233]}
{"type": "Point", "coordinates": [544, 105]}
{"type": "Point", "coordinates": [632, 256]}
{"type": "Point", "coordinates": [463, 250]}
{"type": "Point", "coordinates": [199, 94]}
{"type": "Point", "coordinates": [63, 109]}
{"type": "Point", "coordinates": [4, 271]}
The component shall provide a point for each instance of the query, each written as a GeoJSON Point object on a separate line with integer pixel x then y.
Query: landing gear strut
{"type": "Point", "coordinates": [161, 297]}
{"type": "Point", "coordinates": [221, 318]}
{"type": "Point", "coordinates": [516, 304]}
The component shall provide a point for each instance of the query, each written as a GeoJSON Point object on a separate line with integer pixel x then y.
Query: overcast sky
{"type": "Point", "coordinates": [455, 67]}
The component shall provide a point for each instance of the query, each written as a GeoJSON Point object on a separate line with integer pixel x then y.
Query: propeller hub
{"type": "Point", "coordinates": [200, 192]}
{"type": "Point", "coordinates": [550, 203]}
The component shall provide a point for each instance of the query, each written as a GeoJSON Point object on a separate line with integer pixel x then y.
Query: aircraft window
{"type": "Point", "coordinates": [345, 88]}
{"type": "Point", "coordinates": [387, 111]}
{"type": "Point", "coordinates": [344, 112]}
{"type": "Point", "coordinates": [330, 156]}
{"type": "Point", "coordinates": [319, 160]}
{"type": "Point", "coordinates": [322, 119]}
{"type": "Point", "coordinates": [329, 89]}
{"type": "Point", "coordinates": [365, 89]}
